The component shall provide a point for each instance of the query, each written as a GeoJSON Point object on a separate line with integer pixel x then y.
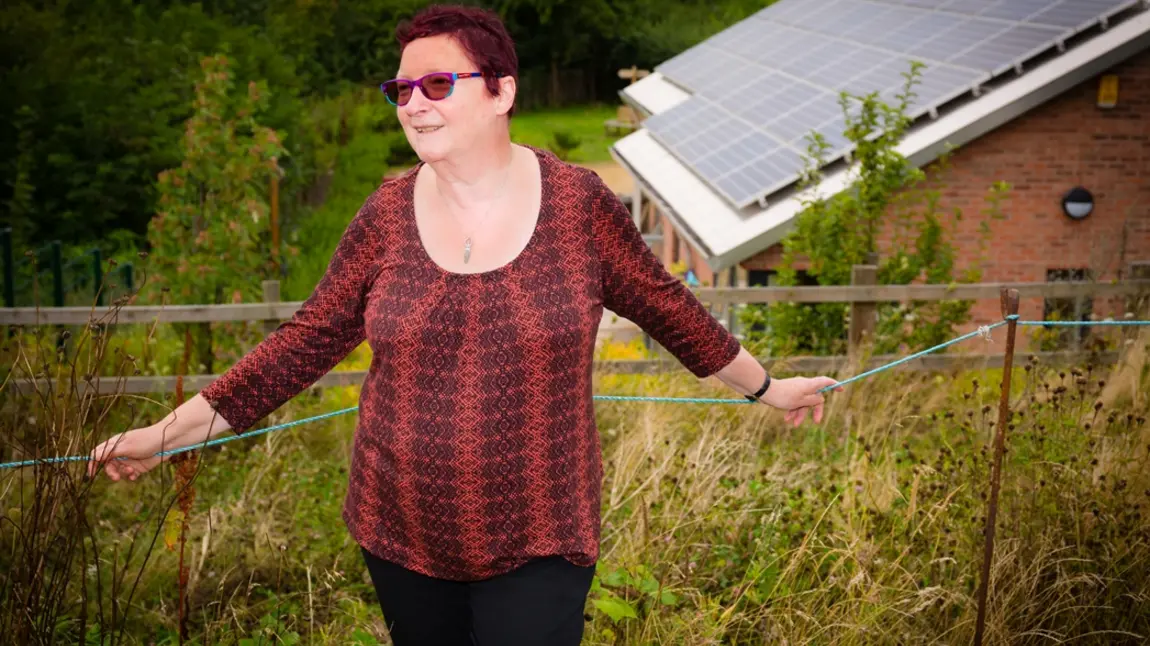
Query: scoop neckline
{"type": "Point", "coordinates": [544, 211]}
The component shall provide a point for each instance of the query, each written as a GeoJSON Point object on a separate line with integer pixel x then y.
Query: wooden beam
{"type": "Point", "coordinates": [821, 365]}
{"type": "Point", "coordinates": [903, 293]}
{"type": "Point", "coordinates": [863, 314]}
{"type": "Point", "coordinates": [147, 314]}
{"type": "Point", "coordinates": [711, 295]}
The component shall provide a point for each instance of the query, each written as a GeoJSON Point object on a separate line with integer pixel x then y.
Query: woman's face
{"type": "Point", "coordinates": [436, 128]}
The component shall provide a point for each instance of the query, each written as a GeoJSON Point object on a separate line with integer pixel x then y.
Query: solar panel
{"type": "Point", "coordinates": [1073, 15]}
{"type": "Point", "coordinates": [1015, 9]}
{"type": "Point", "coordinates": [763, 86]}
{"type": "Point", "coordinates": [968, 7]}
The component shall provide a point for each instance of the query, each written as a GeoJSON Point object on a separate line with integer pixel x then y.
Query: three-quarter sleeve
{"type": "Point", "coordinates": [324, 330]}
{"type": "Point", "coordinates": [638, 287]}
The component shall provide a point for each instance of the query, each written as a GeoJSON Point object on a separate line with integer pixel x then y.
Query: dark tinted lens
{"type": "Point", "coordinates": [398, 92]}
{"type": "Point", "coordinates": [437, 86]}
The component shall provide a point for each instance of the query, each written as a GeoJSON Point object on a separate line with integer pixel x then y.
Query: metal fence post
{"type": "Point", "coordinates": [57, 265]}
{"type": "Point", "coordinates": [9, 267]}
{"type": "Point", "coordinates": [98, 276]}
{"type": "Point", "coordinates": [126, 277]}
{"type": "Point", "coordinates": [1009, 301]}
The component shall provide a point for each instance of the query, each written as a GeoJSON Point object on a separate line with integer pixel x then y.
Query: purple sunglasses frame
{"type": "Point", "coordinates": [418, 83]}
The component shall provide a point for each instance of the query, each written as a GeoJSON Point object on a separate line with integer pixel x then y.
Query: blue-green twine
{"type": "Point", "coordinates": [983, 331]}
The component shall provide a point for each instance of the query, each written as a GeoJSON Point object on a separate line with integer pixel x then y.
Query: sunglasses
{"type": "Point", "coordinates": [436, 86]}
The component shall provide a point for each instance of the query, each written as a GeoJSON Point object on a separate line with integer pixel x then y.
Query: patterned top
{"type": "Point", "coordinates": [476, 446]}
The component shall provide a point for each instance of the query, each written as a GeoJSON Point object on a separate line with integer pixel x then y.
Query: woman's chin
{"type": "Point", "coordinates": [430, 152]}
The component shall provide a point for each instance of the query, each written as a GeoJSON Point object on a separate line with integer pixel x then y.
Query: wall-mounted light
{"type": "Point", "coordinates": [1077, 203]}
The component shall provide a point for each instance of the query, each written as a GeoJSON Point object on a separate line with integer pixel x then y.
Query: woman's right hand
{"type": "Point", "coordinates": [138, 447]}
{"type": "Point", "coordinates": [192, 422]}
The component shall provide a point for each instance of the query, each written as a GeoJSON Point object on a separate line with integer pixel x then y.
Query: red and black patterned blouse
{"type": "Point", "coordinates": [476, 446]}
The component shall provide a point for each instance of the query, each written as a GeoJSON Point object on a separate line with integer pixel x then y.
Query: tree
{"type": "Point", "coordinates": [209, 235]}
{"type": "Point", "coordinates": [833, 233]}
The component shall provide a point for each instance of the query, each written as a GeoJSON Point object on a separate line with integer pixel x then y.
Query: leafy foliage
{"type": "Point", "coordinates": [94, 93]}
{"type": "Point", "coordinates": [834, 233]}
{"type": "Point", "coordinates": [210, 234]}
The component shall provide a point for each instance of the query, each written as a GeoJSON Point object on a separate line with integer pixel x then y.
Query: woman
{"type": "Point", "coordinates": [479, 278]}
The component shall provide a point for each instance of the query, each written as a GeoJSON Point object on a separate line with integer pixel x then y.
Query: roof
{"type": "Point", "coordinates": [724, 140]}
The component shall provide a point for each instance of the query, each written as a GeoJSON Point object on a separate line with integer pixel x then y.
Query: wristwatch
{"type": "Point", "coordinates": [762, 389]}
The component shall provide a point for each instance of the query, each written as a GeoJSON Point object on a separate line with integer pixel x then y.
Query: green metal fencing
{"type": "Point", "coordinates": [45, 278]}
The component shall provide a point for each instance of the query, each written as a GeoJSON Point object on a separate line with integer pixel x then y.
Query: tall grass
{"type": "Point", "coordinates": [720, 525]}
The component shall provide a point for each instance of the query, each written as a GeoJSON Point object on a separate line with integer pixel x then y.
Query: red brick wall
{"type": "Point", "coordinates": [1065, 142]}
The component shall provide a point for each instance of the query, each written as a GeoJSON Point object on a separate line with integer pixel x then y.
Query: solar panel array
{"type": "Point", "coordinates": [759, 87]}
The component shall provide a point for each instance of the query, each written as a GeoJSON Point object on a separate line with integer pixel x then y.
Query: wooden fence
{"type": "Point", "coordinates": [862, 297]}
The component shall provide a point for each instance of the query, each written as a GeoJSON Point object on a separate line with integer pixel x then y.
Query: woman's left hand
{"type": "Point", "coordinates": [797, 395]}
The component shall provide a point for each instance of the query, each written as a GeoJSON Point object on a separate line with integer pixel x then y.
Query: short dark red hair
{"type": "Point", "coordinates": [478, 31]}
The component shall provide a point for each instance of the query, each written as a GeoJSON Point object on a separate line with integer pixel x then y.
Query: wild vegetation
{"type": "Point", "coordinates": [720, 524]}
{"type": "Point", "coordinates": [95, 94]}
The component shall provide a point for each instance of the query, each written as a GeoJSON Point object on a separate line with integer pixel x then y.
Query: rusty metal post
{"type": "Point", "coordinates": [1009, 299]}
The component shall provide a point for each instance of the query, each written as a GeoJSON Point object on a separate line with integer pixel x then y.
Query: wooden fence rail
{"type": "Point", "coordinates": [822, 365]}
{"type": "Point", "coordinates": [271, 311]}
{"type": "Point", "coordinates": [861, 296]}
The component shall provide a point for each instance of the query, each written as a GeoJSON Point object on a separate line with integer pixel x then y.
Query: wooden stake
{"type": "Point", "coordinates": [271, 296]}
{"type": "Point", "coordinates": [863, 319]}
{"type": "Point", "coordinates": [1009, 300]}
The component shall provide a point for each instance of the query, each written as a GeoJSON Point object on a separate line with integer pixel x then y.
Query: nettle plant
{"type": "Point", "coordinates": [210, 235]}
{"type": "Point", "coordinates": [887, 195]}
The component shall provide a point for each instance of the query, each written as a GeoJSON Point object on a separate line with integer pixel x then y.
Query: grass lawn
{"type": "Point", "coordinates": [585, 122]}
{"type": "Point", "coordinates": [361, 164]}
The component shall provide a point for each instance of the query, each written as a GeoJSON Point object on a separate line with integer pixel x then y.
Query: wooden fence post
{"type": "Point", "coordinates": [732, 319]}
{"type": "Point", "coordinates": [863, 313]}
{"type": "Point", "coordinates": [275, 219]}
{"type": "Point", "coordinates": [271, 296]}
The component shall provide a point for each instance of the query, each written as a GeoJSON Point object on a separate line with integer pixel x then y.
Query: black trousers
{"type": "Point", "coordinates": [538, 604]}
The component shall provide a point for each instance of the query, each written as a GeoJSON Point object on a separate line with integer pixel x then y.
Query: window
{"type": "Point", "coordinates": [1067, 309]}
{"type": "Point", "coordinates": [769, 278]}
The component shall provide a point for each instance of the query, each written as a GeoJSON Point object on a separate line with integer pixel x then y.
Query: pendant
{"type": "Point", "coordinates": [466, 251]}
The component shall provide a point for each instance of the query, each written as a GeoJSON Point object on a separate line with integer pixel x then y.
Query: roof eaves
{"type": "Point", "coordinates": [926, 142]}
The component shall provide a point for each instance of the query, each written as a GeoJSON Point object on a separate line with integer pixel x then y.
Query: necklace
{"type": "Point", "coordinates": [467, 242]}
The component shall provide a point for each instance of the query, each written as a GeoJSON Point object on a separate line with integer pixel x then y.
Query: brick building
{"type": "Point", "coordinates": [1042, 117]}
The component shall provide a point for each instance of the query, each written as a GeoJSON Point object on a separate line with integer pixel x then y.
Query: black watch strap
{"type": "Point", "coordinates": [762, 389]}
